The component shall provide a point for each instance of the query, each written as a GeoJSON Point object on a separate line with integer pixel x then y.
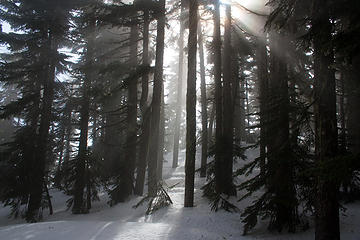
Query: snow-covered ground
{"type": "Point", "coordinates": [175, 222]}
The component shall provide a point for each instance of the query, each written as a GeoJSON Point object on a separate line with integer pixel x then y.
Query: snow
{"type": "Point", "coordinates": [122, 222]}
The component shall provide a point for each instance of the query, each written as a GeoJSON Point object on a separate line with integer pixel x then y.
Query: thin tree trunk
{"type": "Point", "coordinates": [242, 95]}
{"type": "Point", "coordinates": [191, 106]}
{"type": "Point", "coordinates": [179, 87]}
{"type": "Point", "coordinates": [247, 115]}
{"type": "Point", "coordinates": [61, 151]}
{"type": "Point", "coordinates": [156, 101]}
{"type": "Point", "coordinates": [342, 137]}
{"type": "Point", "coordinates": [68, 137]}
{"type": "Point", "coordinates": [65, 138]}
{"type": "Point", "coordinates": [211, 124]}
{"type": "Point", "coordinates": [48, 198]}
{"type": "Point", "coordinates": [238, 125]}
{"type": "Point", "coordinates": [263, 90]}
{"type": "Point", "coordinates": [204, 117]}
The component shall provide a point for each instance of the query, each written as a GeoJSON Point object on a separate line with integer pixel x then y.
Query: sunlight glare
{"type": "Point", "coordinates": [250, 15]}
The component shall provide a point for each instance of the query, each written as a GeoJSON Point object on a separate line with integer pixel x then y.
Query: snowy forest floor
{"type": "Point", "coordinates": [173, 222]}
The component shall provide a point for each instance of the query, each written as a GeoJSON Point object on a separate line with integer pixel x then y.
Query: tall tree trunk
{"type": "Point", "coordinates": [280, 166]}
{"type": "Point", "coordinates": [69, 131]}
{"type": "Point", "coordinates": [48, 198]}
{"type": "Point", "coordinates": [353, 99]}
{"type": "Point", "coordinates": [326, 144]}
{"type": "Point", "coordinates": [61, 150]}
{"type": "Point", "coordinates": [219, 158]}
{"type": "Point", "coordinates": [262, 74]}
{"type": "Point", "coordinates": [156, 101]}
{"type": "Point", "coordinates": [191, 106]}
{"type": "Point", "coordinates": [179, 87]}
{"type": "Point", "coordinates": [211, 124]}
{"type": "Point", "coordinates": [239, 126]}
{"type": "Point", "coordinates": [247, 114]}
{"type": "Point", "coordinates": [204, 115]}
{"type": "Point", "coordinates": [38, 166]}
{"type": "Point", "coordinates": [80, 167]}
{"type": "Point", "coordinates": [161, 136]}
{"type": "Point", "coordinates": [342, 137]}
{"type": "Point", "coordinates": [242, 96]}
{"type": "Point", "coordinates": [128, 167]}
{"type": "Point", "coordinates": [228, 114]}
{"type": "Point", "coordinates": [65, 144]}
{"type": "Point", "coordinates": [145, 127]}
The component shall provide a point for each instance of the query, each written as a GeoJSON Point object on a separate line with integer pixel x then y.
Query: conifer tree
{"type": "Point", "coordinates": [191, 106]}
{"type": "Point", "coordinates": [156, 100]}
{"type": "Point", "coordinates": [44, 27]}
{"type": "Point", "coordinates": [88, 70]}
{"type": "Point", "coordinates": [178, 113]}
{"type": "Point", "coordinates": [326, 142]}
{"type": "Point", "coordinates": [145, 111]}
{"type": "Point", "coordinates": [204, 115]}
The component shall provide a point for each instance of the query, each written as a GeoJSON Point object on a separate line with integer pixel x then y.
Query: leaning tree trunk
{"type": "Point", "coordinates": [156, 101]}
{"type": "Point", "coordinates": [326, 144]}
{"type": "Point", "coordinates": [204, 117]}
{"type": "Point", "coordinates": [191, 107]}
{"type": "Point", "coordinates": [179, 87]}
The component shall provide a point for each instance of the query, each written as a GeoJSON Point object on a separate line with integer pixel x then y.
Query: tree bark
{"type": "Point", "coordinates": [219, 158]}
{"type": "Point", "coordinates": [211, 123]}
{"type": "Point", "coordinates": [80, 167]}
{"type": "Point", "coordinates": [228, 114]}
{"type": "Point", "coordinates": [128, 168]}
{"type": "Point", "coordinates": [204, 115]}
{"type": "Point", "coordinates": [145, 127]}
{"type": "Point", "coordinates": [179, 87]}
{"type": "Point", "coordinates": [156, 101]}
{"type": "Point", "coordinates": [39, 161]}
{"type": "Point", "coordinates": [161, 137]}
{"type": "Point", "coordinates": [280, 166]}
{"type": "Point", "coordinates": [191, 106]}
{"type": "Point", "coordinates": [326, 144]}
{"type": "Point", "coordinates": [262, 74]}
{"type": "Point", "coordinates": [342, 137]}
{"type": "Point", "coordinates": [353, 99]}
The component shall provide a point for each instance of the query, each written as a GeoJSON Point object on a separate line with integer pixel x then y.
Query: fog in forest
{"type": "Point", "coordinates": [129, 113]}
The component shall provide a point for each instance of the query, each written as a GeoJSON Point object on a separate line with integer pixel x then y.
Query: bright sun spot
{"type": "Point", "coordinates": [249, 15]}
